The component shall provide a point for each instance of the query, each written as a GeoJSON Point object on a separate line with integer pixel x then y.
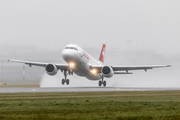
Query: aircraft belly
{"type": "Point", "coordinates": [95, 77]}
{"type": "Point", "coordinates": [84, 74]}
{"type": "Point", "coordinates": [80, 70]}
{"type": "Point", "coordinates": [79, 73]}
{"type": "Point", "coordinates": [83, 70]}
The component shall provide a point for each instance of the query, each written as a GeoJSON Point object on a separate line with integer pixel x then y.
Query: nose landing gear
{"type": "Point", "coordinates": [67, 71]}
{"type": "Point", "coordinates": [67, 81]}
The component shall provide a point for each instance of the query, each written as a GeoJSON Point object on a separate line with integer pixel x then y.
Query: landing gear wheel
{"type": "Point", "coordinates": [65, 75]}
{"type": "Point", "coordinates": [100, 83]}
{"type": "Point", "coordinates": [67, 81]}
{"type": "Point", "coordinates": [63, 81]}
{"type": "Point", "coordinates": [104, 83]}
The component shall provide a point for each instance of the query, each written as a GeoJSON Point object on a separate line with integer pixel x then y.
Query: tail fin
{"type": "Point", "coordinates": [102, 55]}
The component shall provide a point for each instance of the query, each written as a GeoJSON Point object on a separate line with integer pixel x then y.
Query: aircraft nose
{"type": "Point", "coordinates": [67, 54]}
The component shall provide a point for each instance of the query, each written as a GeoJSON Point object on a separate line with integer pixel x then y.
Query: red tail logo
{"type": "Point", "coordinates": [101, 57]}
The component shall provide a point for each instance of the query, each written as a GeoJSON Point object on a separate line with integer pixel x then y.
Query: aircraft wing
{"type": "Point", "coordinates": [127, 68]}
{"type": "Point", "coordinates": [40, 64]}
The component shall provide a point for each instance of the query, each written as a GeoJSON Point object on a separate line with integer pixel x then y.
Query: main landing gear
{"type": "Point", "coordinates": [65, 75]}
{"type": "Point", "coordinates": [102, 82]}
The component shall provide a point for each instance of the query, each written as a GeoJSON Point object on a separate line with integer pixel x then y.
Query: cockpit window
{"type": "Point", "coordinates": [71, 48]}
{"type": "Point", "coordinates": [75, 49]}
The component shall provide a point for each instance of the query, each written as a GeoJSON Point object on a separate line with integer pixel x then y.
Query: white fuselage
{"type": "Point", "coordinates": [82, 61]}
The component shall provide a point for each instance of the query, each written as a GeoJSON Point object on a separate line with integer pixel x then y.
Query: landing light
{"type": "Point", "coordinates": [94, 71]}
{"type": "Point", "coordinates": [71, 65]}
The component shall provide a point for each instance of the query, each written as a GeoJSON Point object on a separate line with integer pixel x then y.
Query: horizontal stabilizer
{"type": "Point", "coordinates": [116, 72]}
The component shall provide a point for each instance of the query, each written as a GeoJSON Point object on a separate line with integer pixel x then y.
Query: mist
{"type": "Point", "coordinates": [137, 33]}
{"type": "Point", "coordinates": [55, 81]}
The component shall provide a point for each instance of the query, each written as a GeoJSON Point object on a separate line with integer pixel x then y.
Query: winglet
{"type": "Point", "coordinates": [103, 50]}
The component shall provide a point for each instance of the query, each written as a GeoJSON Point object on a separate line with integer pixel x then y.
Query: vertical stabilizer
{"type": "Point", "coordinates": [102, 55]}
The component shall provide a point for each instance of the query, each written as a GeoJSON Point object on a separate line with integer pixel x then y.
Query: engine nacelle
{"type": "Point", "coordinates": [107, 71]}
{"type": "Point", "coordinates": [51, 69]}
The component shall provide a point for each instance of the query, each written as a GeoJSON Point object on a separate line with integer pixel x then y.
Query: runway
{"type": "Point", "coordinates": [79, 89]}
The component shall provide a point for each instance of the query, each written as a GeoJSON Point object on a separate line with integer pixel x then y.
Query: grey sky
{"type": "Point", "coordinates": [153, 25]}
{"type": "Point", "coordinates": [54, 23]}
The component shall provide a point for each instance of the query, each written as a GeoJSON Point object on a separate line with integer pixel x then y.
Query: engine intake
{"type": "Point", "coordinates": [51, 69]}
{"type": "Point", "coordinates": [107, 71]}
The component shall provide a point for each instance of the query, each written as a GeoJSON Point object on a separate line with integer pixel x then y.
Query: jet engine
{"type": "Point", "coordinates": [51, 69]}
{"type": "Point", "coordinates": [107, 71]}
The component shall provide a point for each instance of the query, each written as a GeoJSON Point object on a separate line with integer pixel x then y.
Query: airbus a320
{"type": "Point", "coordinates": [82, 64]}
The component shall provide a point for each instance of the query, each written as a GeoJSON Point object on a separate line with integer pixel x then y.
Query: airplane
{"type": "Point", "coordinates": [82, 64]}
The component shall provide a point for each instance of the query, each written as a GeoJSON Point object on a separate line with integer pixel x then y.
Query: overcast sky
{"type": "Point", "coordinates": [151, 24]}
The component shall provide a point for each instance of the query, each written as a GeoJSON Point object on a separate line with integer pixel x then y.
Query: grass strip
{"type": "Point", "coordinates": [120, 105]}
